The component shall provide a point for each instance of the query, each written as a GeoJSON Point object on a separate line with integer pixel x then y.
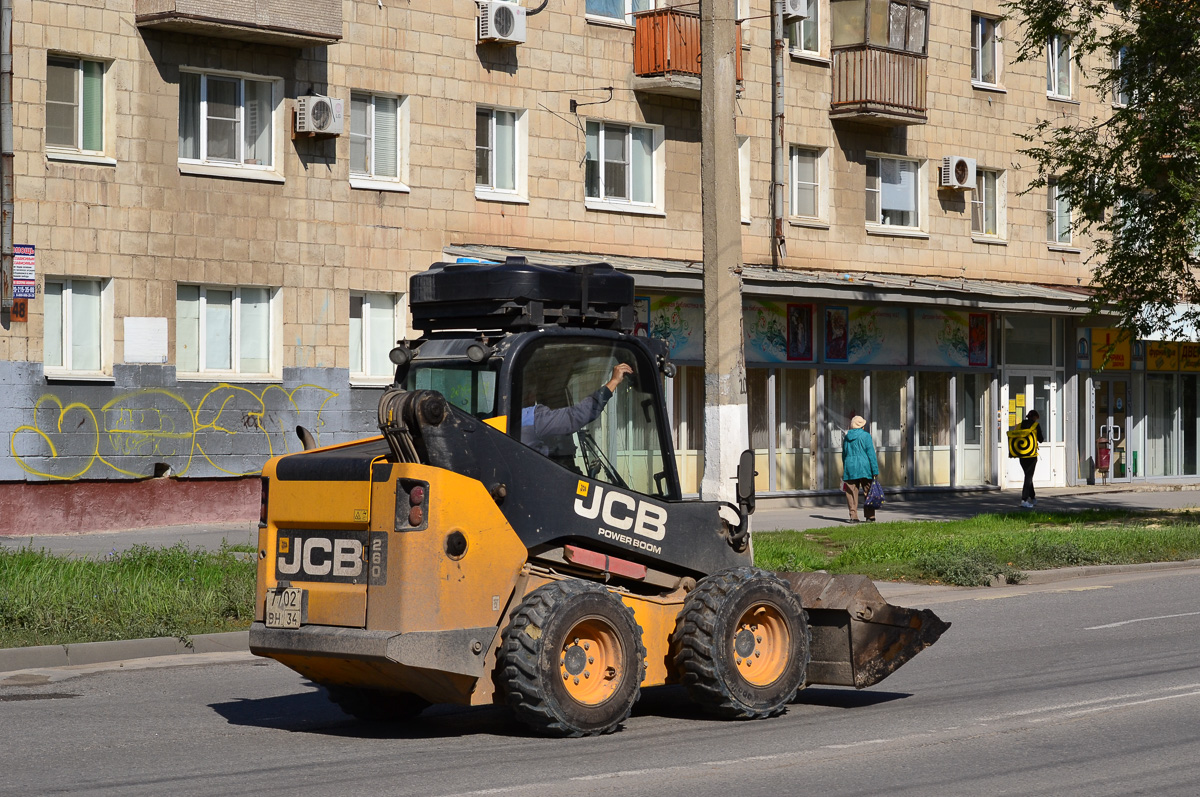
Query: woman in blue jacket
{"type": "Point", "coordinates": [860, 466]}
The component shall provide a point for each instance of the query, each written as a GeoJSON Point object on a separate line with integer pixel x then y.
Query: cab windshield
{"type": "Point", "coordinates": [470, 387]}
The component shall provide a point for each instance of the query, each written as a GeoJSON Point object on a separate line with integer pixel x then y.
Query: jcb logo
{"type": "Point", "coordinates": [621, 512]}
{"type": "Point", "coordinates": [331, 556]}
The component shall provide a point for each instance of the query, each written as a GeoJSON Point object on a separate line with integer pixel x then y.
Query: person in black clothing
{"type": "Point", "coordinates": [539, 423]}
{"type": "Point", "coordinates": [1029, 464]}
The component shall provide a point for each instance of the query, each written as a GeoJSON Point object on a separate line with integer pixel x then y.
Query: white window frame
{"type": "Point", "coordinates": [630, 8]}
{"type": "Point", "coordinates": [274, 345]}
{"type": "Point", "coordinates": [795, 32]}
{"type": "Point", "coordinates": [1120, 90]}
{"type": "Point", "coordinates": [1054, 205]}
{"type": "Point", "coordinates": [820, 186]}
{"type": "Point", "coordinates": [373, 182]}
{"type": "Point", "coordinates": [1058, 47]}
{"type": "Point", "coordinates": [76, 152]}
{"type": "Point", "coordinates": [65, 332]}
{"type": "Point", "coordinates": [520, 155]}
{"type": "Point", "coordinates": [744, 178]}
{"type": "Point", "coordinates": [978, 200]}
{"type": "Point", "coordinates": [358, 374]}
{"type": "Point", "coordinates": [877, 225]}
{"type": "Point", "coordinates": [978, 23]}
{"type": "Point", "coordinates": [222, 168]}
{"type": "Point", "coordinates": [658, 179]}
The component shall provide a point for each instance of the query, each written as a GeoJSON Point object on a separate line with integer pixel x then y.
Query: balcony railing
{"type": "Point", "coordinates": [291, 23]}
{"type": "Point", "coordinates": [666, 52]}
{"type": "Point", "coordinates": [878, 85]}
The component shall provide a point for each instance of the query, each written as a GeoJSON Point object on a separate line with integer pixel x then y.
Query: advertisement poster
{"type": "Point", "coordinates": [837, 332]}
{"type": "Point", "coordinates": [679, 322]}
{"type": "Point", "coordinates": [1162, 356]}
{"type": "Point", "coordinates": [1110, 349]}
{"type": "Point", "coordinates": [800, 332]}
{"type": "Point", "coordinates": [977, 341]}
{"type": "Point", "coordinates": [1083, 349]}
{"type": "Point", "coordinates": [942, 337]}
{"type": "Point", "coordinates": [764, 325]}
{"type": "Point", "coordinates": [878, 336]}
{"type": "Point", "coordinates": [24, 271]}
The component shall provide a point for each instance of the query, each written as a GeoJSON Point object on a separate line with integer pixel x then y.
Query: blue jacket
{"type": "Point", "coordinates": [858, 456]}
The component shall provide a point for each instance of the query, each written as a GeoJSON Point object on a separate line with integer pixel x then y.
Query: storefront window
{"type": "Point", "coordinates": [758, 397]}
{"type": "Point", "coordinates": [687, 414]}
{"type": "Point", "coordinates": [889, 391]}
{"type": "Point", "coordinates": [933, 429]}
{"type": "Point", "coordinates": [793, 447]}
{"type": "Point", "coordinates": [1191, 422]}
{"type": "Point", "coordinates": [1160, 425]}
{"type": "Point", "coordinates": [971, 405]}
{"type": "Point", "coordinates": [843, 400]}
{"type": "Point", "coordinates": [1029, 339]}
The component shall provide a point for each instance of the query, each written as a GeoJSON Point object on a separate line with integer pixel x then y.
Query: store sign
{"type": "Point", "coordinates": [948, 337]}
{"type": "Point", "coordinates": [1189, 356]}
{"type": "Point", "coordinates": [1110, 349]}
{"type": "Point", "coordinates": [1162, 356]}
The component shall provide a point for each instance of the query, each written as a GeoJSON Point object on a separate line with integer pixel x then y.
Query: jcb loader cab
{"type": "Point", "coordinates": [517, 534]}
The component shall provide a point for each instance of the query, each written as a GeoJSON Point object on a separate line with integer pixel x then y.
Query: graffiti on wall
{"type": "Point", "coordinates": [232, 429]}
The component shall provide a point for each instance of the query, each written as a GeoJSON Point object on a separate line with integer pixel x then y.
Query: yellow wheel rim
{"type": "Point", "coordinates": [590, 663]}
{"type": "Point", "coordinates": [761, 645]}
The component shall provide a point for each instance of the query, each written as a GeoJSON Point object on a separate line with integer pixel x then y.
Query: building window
{"type": "Point", "coordinates": [376, 136]}
{"type": "Point", "coordinates": [225, 330]}
{"type": "Point", "coordinates": [893, 192]}
{"type": "Point", "coordinates": [501, 155]}
{"type": "Point", "coordinates": [804, 35]}
{"type": "Point", "coordinates": [1121, 81]}
{"type": "Point", "coordinates": [74, 104]}
{"type": "Point", "coordinates": [619, 10]}
{"type": "Point", "coordinates": [904, 25]}
{"type": "Point", "coordinates": [744, 177]}
{"type": "Point", "coordinates": [806, 183]}
{"type": "Point", "coordinates": [1058, 66]}
{"type": "Point", "coordinates": [985, 51]}
{"type": "Point", "coordinates": [374, 329]}
{"type": "Point", "coordinates": [620, 163]}
{"type": "Point", "coordinates": [77, 325]}
{"type": "Point", "coordinates": [1058, 214]}
{"type": "Point", "coordinates": [226, 120]}
{"type": "Point", "coordinates": [986, 203]}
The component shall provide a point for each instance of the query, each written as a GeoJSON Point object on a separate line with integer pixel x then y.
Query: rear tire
{"type": "Point", "coordinates": [572, 660]}
{"type": "Point", "coordinates": [741, 644]}
{"type": "Point", "coordinates": [375, 705]}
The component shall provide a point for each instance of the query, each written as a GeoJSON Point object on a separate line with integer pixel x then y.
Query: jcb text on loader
{"type": "Point", "coordinates": [480, 551]}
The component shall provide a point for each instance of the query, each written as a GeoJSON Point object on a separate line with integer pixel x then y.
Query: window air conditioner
{"type": "Point", "coordinates": [501, 21]}
{"type": "Point", "coordinates": [320, 115]}
{"type": "Point", "coordinates": [958, 172]}
{"type": "Point", "coordinates": [795, 9]}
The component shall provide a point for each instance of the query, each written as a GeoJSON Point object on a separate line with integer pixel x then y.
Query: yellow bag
{"type": "Point", "coordinates": [1023, 443]}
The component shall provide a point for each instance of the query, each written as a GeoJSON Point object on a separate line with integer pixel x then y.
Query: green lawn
{"type": "Point", "coordinates": [971, 552]}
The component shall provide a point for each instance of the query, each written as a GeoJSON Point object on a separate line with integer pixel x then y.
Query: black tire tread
{"type": "Point", "coordinates": [695, 640]}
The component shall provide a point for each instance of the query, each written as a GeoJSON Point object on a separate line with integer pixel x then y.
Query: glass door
{"type": "Point", "coordinates": [1111, 421]}
{"type": "Point", "coordinates": [1027, 390]}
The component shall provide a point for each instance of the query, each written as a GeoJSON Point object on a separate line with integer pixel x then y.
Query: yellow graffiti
{"type": "Point", "coordinates": [160, 424]}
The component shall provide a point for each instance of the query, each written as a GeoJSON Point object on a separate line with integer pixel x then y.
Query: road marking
{"type": "Point", "coordinates": [1135, 697]}
{"type": "Point", "coordinates": [1039, 592]}
{"type": "Point", "coordinates": [1081, 712]}
{"type": "Point", "coordinates": [1141, 620]}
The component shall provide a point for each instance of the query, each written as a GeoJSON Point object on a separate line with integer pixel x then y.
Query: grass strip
{"type": "Point", "coordinates": [142, 592]}
{"type": "Point", "coordinates": [972, 552]}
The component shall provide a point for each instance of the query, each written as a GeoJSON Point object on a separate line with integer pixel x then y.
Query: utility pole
{"type": "Point", "coordinates": [726, 431]}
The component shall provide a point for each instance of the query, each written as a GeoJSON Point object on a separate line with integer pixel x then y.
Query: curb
{"type": "Point", "coordinates": [48, 656]}
{"type": "Point", "coordinates": [1066, 573]}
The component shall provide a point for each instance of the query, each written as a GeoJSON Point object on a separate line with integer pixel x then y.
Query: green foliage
{"type": "Point", "coordinates": [1133, 178]}
{"type": "Point", "coordinates": [142, 592]}
{"type": "Point", "coordinates": [974, 552]}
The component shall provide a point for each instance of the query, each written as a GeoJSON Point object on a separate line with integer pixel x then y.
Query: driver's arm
{"type": "Point", "coordinates": [569, 420]}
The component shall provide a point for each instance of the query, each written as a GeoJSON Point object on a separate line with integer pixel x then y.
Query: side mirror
{"type": "Point", "coordinates": [745, 481]}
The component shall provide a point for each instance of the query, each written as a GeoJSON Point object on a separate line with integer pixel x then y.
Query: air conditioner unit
{"type": "Point", "coordinates": [795, 9]}
{"type": "Point", "coordinates": [502, 22]}
{"type": "Point", "coordinates": [958, 172]}
{"type": "Point", "coordinates": [320, 115]}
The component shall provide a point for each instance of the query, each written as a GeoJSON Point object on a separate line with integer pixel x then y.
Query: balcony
{"type": "Point", "coordinates": [879, 86]}
{"type": "Point", "coordinates": [666, 52]}
{"type": "Point", "coordinates": [290, 23]}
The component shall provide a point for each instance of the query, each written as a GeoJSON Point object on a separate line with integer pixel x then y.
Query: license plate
{"type": "Point", "coordinates": [284, 607]}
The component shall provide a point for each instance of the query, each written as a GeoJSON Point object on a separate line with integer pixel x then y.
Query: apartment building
{"type": "Point", "coordinates": [218, 205]}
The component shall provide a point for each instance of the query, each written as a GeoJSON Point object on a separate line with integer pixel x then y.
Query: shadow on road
{"type": "Point", "coordinates": [833, 697]}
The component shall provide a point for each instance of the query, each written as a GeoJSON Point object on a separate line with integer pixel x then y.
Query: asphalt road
{"type": "Point", "coordinates": [1083, 687]}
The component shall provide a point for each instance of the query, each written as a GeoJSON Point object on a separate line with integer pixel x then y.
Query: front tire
{"type": "Point", "coordinates": [742, 644]}
{"type": "Point", "coordinates": [572, 660]}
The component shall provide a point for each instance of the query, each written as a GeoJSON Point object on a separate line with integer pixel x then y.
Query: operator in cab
{"type": "Point", "coordinates": [539, 422]}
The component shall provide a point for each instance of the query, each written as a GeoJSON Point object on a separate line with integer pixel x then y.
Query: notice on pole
{"type": "Point", "coordinates": [24, 272]}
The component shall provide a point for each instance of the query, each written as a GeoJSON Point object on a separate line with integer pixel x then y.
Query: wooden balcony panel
{"type": "Point", "coordinates": [666, 52]}
{"type": "Point", "coordinates": [873, 83]}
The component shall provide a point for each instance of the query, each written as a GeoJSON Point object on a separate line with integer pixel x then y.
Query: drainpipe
{"type": "Point", "coordinates": [6, 162]}
{"type": "Point", "coordinates": [778, 159]}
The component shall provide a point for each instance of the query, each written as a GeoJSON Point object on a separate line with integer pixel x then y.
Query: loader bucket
{"type": "Point", "coordinates": [858, 638]}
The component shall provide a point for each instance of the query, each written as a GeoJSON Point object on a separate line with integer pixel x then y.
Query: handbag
{"type": "Point", "coordinates": [874, 498]}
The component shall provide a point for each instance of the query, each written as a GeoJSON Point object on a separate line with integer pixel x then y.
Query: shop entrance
{"type": "Point", "coordinates": [1026, 390]}
{"type": "Point", "coordinates": [1110, 419]}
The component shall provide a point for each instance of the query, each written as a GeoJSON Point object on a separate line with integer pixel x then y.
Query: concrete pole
{"type": "Point", "coordinates": [726, 431]}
